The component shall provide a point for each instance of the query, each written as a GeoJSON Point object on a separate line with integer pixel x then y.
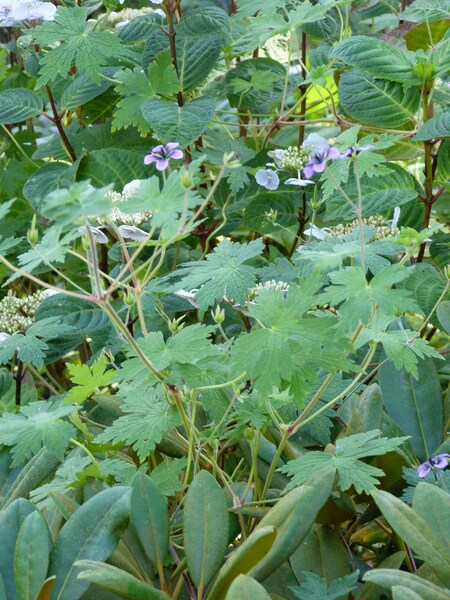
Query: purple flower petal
{"type": "Point", "coordinates": [149, 159]}
{"type": "Point", "coordinates": [319, 168]}
{"type": "Point", "coordinates": [440, 461]}
{"type": "Point", "coordinates": [176, 154]}
{"type": "Point", "coordinates": [158, 149]}
{"type": "Point", "coordinates": [171, 146]}
{"type": "Point", "coordinates": [308, 171]}
{"type": "Point", "coordinates": [423, 470]}
{"type": "Point", "coordinates": [334, 154]}
{"type": "Point", "coordinates": [162, 164]}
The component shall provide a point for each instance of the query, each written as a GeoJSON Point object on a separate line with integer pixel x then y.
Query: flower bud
{"type": "Point", "coordinates": [128, 297]}
{"type": "Point", "coordinates": [33, 233]}
{"type": "Point", "coordinates": [218, 315]}
{"type": "Point", "coordinates": [175, 325]}
{"type": "Point", "coordinates": [186, 179]}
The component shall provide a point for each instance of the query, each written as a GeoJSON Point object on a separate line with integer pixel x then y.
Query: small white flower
{"type": "Point", "coordinates": [396, 217]}
{"type": "Point", "coordinates": [189, 296]}
{"type": "Point", "coordinates": [132, 233]}
{"type": "Point", "coordinates": [47, 293]}
{"type": "Point", "coordinates": [97, 234]}
{"type": "Point", "coordinates": [14, 11]}
{"type": "Point", "coordinates": [298, 181]}
{"type": "Point", "coordinates": [268, 179]}
{"type": "Point", "coordinates": [3, 337]}
{"type": "Point", "coordinates": [278, 155]}
{"type": "Point", "coordinates": [156, 1]}
{"type": "Point", "coordinates": [132, 187]}
{"type": "Point", "coordinates": [315, 232]}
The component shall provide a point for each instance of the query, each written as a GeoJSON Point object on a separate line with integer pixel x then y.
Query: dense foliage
{"type": "Point", "coordinates": [225, 312]}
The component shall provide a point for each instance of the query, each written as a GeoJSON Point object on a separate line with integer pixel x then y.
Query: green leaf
{"type": "Point", "coordinates": [45, 180]}
{"type": "Point", "coordinates": [37, 425]}
{"type": "Point", "coordinates": [135, 89]}
{"type": "Point", "coordinates": [415, 532]}
{"type": "Point", "coordinates": [92, 532]}
{"type": "Point", "coordinates": [435, 128]}
{"type": "Point", "coordinates": [81, 47]}
{"type": "Point", "coordinates": [205, 528]}
{"type": "Point", "coordinates": [377, 101]}
{"type": "Point", "coordinates": [387, 578]}
{"type": "Point", "coordinates": [420, 11]}
{"type": "Point", "coordinates": [31, 556]}
{"type": "Point", "coordinates": [76, 203]}
{"type": "Point", "coordinates": [167, 476]}
{"type": "Point", "coordinates": [403, 593]}
{"type": "Point", "coordinates": [82, 89]}
{"type": "Point", "coordinates": [443, 314]}
{"type": "Point", "coordinates": [162, 75]}
{"type": "Point", "coordinates": [444, 160]}
{"type": "Point", "coordinates": [148, 417]}
{"type": "Point", "coordinates": [11, 520]}
{"type": "Point", "coordinates": [416, 405]}
{"type": "Point", "coordinates": [117, 581]}
{"type": "Point", "coordinates": [246, 588]}
{"type": "Point", "coordinates": [377, 57]}
{"type": "Point", "coordinates": [346, 460]}
{"type": "Point", "coordinates": [18, 104]}
{"type": "Point", "coordinates": [433, 504]}
{"type": "Point", "coordinates": [182, 124]}
{"type": "Point", "coordinates": [293, 520]}
{"type": "Point", "coordinates": [51, 249]}
{"type": "Point", "coordinates": [371, 591]}
{"type": "Point", "coordinates": [150, 516]}
{"type": "Point", "coordinates": [87, 379]}
{"type": "Point", "coordinates": [223, 274]}
{"type": "Point", "coordinates": [112, 165]}
{"type": "Point", "coordinates": [242, 560]}
{"type": "Point", "coordinates": [315, 586]}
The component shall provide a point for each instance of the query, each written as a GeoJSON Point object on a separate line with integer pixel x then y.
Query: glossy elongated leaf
{"type": "Point", "coordinates": [435, 128]}
{"type": "Point", "coordinates": [117, 581]}
{"type": "Point", "coordinates": [416, 405]}
{"type": "Point", "coordinates": [242, 560]}
{"type": "Point", "coordinates": [18, 104]}
{"type": "Point", "coordinates": [82, 89]}
{"type": "Point", "coordinates": [182, 124]}
{"type": "Point", "coordinates": [92, 532]}
{"type": "Point", "coordinates": [377, 57]}
{"type": "Point", "coordinates": [371, 591]}
{"type": "Point", "coordinates": [416, 532]}
{"type": "Point", "coordinates": [403, 593]}
{"type": "Point", "coordinates": [387, 578]}
{"type": "Point", "coordinates": [45, 180]}
{"type": "Point", "coordinates": [112, 165]}
{"type": "Point", "coordinates": [11, 520]}
{"type": "Point", "coordinates": [150, 516]}
{"type": "Point", "coordinates": [246, 588]}
{"type": "Point", "coordinates": [367, 412]}
{"type": "Point", "coordinates": [294, 526]}
{"type": "Point", "coordinates": [31, 556]}
{"type": "Point", "coordinates": [205, 527]}
{"type": "Point", "coordinates": [443, 314]}
{"type": "Point", "coordinates": [433, 504]}
{"type": "Point", "coordinates": [443, 160]}
{"type": "Point", "coordinates": [377, 101]}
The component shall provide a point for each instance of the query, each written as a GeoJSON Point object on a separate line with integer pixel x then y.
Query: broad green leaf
{"type": "Point", "coordinates": [150, 517]}
{"type": "Point", "coordinates": [422, 11]}
{"type": "Point", "coordinates": [112, 165]}
{"type": "Point", "coordinates": [377, 101]}
{"type": "Point", "coordinates": [243, 559]}
{"type": "Point", "coordinates": [31, 556]}
{"type": "Point", "coordinates": [416, 405]}
{"type": "Point", "coordinates": [437, 127]}
{"type": "Point", "coordinates": [403, 593]}
{"type": "Point", "coordinates": [18, 104]}
{"type": "Point", "coordinates": [37, 425]}
{"type": "Point", "coordinates": [246, 588]}
{"type": "Point", "coordinates": [426, 284]}
{"type": "Point", "coordinates": [444, 160]}
{"type": "Point", "coordinates": [47, 179]}
{"type": "Point", "coordinates": [295, 525]}
{"type": "Point", "coordinates": [367, 412]}
{"type": "Point", "coordinates": [117, 581]}
{"type": "Point", "coordinates": [377, 57]}
{"type": "Point", "coordinates": [321, 553]}
{"type": "Point", "coordinates": [79, 46]}
{"type": "Point", "coordinates": [162, 75]}
{"type": "Point", "coordinates": [135, 89]}
{"type": "Point", "coordinates": [443, 314]}
{"type": "Point", "coordinates": [433, 504]}
{"type": "Point", "coordinates": [76, 203]}
{"type": "Point", "coordinates": [92, 532]}
{"type": "Point", "coordinates": [82, 89]}
{"type": "Point", "coordinates": [173, 123]}
{"type": "Point", "coordinates": [205, 528]}
{"type": "Point", "coordinates": [87, 379]}
{"type": "Point", "coordinates": [314, 586]}
{"type": "Point", "coordinates": [415, 532]}
{"type": "Point", "coordinates": [11, 520]}
{"type": "Point", "coordinates": [387, 578]}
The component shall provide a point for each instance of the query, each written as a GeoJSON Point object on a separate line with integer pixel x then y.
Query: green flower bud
{"type": "Point", "coordinates": [218, 315]}
{"type": "Point", "coordinates": [186, 179]}
{"type": "Point", "coordinates": [128, 297]}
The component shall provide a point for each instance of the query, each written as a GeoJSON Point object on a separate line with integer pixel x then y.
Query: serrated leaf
{"type": "Point", "coordinates": [76, 203]}
{"type": "Point", "coordinates": [314, 586]}
{"type": "Point", "coordinates": [135, 89]}
{"type": "Point", "coordinates": [87, 380]}
{"type": "Point", "coordinates": [377, 57]}
{"type": "Point", "coordinates": [112, 165]}
{"type": "Point", "coordinates": [52, 249]}
{"type": "Point", "coordinates": [181, 124]}
{"type": "Point", "coordinates": [81, 90]}
{"type": "Point", "coordinates": [377, 101]}
{"type": "Point", "coordinates": [81, 47]}
{"type": "Point", "coordinates": [435, 128]}
{"type": "Point", "coordinates": [162, 75]}
{"type": "Point", "coordinates": [18, 104]}
{"type": "Point", "coordinates": [37, 425]}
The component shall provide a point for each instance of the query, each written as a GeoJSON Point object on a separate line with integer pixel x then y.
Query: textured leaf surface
{"type": "Point", "coordinates": [31, 556]}
{"type": "Point", "coordinates": [435, 128]}
{"type": "Point", "coordinates": [18, 104]}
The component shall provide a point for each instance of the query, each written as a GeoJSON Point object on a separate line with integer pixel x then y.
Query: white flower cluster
{"type": "Point", "coordinates": [280, 286]}
{"type": "Point", "coordinates": [17, 314]}
{"type": "Point", "coordinates": [121, 18]}
{"type": "Point", "coordinates": [13, 12]}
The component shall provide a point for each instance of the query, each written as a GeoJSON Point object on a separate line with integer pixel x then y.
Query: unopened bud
{"type": "Point", "coordinates": [33, 233]}
{"type": "Point", "coordinates": [218, 315]}
{"type": "Point", "coordinates": [128, 297]}
{"type": "Point", "coordinates": [175, 325]}
{"type": "Point", "coordinates": [186, 179]}
{"type": "Point", "coordinates": [230, 162]}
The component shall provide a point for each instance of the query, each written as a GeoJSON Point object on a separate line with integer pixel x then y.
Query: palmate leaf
{"type": "Point", "coordinates": [75, 203]}
{"type": "Point", "coordinates": [87, 380]}
{"type": "Point", "coordinates": [148, 417]}
{"type": "Point", "coordinates": [315, 586]}
{"type": "Point", "coordinates": [51, 249]}
{"type": "Point", "coordinates": [37, 425]}
{"type": "Point", "coordinates": [135, 89]}
{"type": "Point", "coordinates": [79, 46]}
{"type": "Point", "coordinates": [345, 458]}
{"type": "Point", "coordinates": [223, 274]}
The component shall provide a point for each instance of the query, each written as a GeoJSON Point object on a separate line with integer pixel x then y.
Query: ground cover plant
{"type": "Point", "coordinates": [225, 305]}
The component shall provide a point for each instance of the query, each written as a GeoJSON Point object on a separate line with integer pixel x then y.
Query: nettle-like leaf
{"type": "Point", "coordinates": [135, 89]}
{"type": "Point", "coordinates": [52, 249]}
{"type": "Point", "coordinates": [79, 45]}
{"type": "Point", "coordinates": [223, 274]}
{"type": "Point", "coordinates": [35, 426]}
{"type": "Point", "coordinates": [345, 457]}
{"type": "Point", "coordinates": [87, 380]}
{"type": "Point", "coordinates": [315, 586]}
{"type": "Point", "coordinates": [76, 203]}
{"type": "Point", "coordinates": [148, 417]}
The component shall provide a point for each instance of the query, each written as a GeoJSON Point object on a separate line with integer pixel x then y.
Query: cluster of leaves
{"type": "Point", "coordinates": [231, 397]}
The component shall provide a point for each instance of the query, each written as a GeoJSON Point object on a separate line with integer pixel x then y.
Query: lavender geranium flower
{"type": "Point", "coordinates": [440, 461]}
{"type": "Point", "coordinates": [97, 233]}
{"type": "Point", "coordinates": [132, 233]}
{"type": "Point", "coordinates": [353, 150]}
{"type": "Point", "coordinates": [14, 11]}
{"type": "Point", "coordinates": [268, 179]}
{"type": "Point", "coordinates": [161, 154]}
